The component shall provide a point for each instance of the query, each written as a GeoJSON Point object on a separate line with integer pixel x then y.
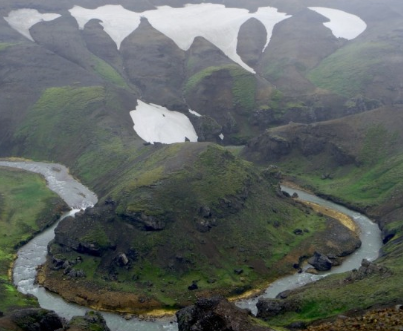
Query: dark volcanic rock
{"type": "Point", "coordinates": [320, 262]}
{"type": "Point", "coordinates": [154, 63]}
{"type": "Point", "coordinates": [251, 40]}
{"type": "Point", "coordinates": [149, 223]}
{"type": "Point", "coordinates": [90, 322]}
{"type": "Point", "coordinates": [267, 308]}
{"type": "Point", "coordinates": [367, 269]}
{"type": "Point", "coordinates": [215, 314]}
{"type": "Point", "coordinates": [36, 319]}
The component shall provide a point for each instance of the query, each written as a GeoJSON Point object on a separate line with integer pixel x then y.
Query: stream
{"type": "Point", "coordinates": [79, 197]}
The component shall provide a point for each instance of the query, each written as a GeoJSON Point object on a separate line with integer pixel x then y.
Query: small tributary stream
{"type": "Point", "coordinates": [79, 197]}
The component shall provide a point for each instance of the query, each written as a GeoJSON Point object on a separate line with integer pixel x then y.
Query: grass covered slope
{"type": "Point", "coordinates": [180, 229]}
{"type": "Point", "coordinates": [350, 69]}
{"type": "Point", "coordinates": [27, 206]}
{"type": "Point", "coordinates": [357, 161]}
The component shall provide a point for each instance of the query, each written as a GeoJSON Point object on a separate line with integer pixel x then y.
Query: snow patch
{"type": "Point", "coordinates": [155, 123]}
{"type": "Point", "coordinates": [194, 113]}
{"type": "Point", "coordinates": [216, 23]}
{"type": "Point", "coordinates": [23, 19]}
{"type": "Point", "coordinates": [117, 21]}
{"type": "Point", "coordinates": [342, 24]}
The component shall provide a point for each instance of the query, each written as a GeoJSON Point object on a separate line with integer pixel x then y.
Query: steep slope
{"type": "Point", "coordinates": [154, 63]}
{"type": "Point", "coordinates": [298, 45]}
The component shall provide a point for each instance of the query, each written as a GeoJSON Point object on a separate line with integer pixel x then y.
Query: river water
{"type": "Point", "coordinates": [79, 197]}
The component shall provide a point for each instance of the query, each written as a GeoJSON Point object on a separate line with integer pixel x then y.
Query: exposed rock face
{"type": "Point", "coordinates": [320, 262]}
{"type": "Point", "coordinates": [251, 40]}
{"type": "Point", "coordinates": [215, 314]}
{"type": "Point", "coordinates": [148, 223]}
{"type": "Point", "coordinates": [154, 63]}
{"type": "Point", "coordinates": [36, 319]}
{"type": "Point", "coordinates": [367, 269]}
{"type": "Point", "coordinates": [267, 308]}
{"type": "Point", "coordinates": [91, 321]}
{"type": "Point", "coordinates": [308, 140]}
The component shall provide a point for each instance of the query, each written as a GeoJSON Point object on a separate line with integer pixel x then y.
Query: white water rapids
{"type": "Point", "coordinates": [79, 197]}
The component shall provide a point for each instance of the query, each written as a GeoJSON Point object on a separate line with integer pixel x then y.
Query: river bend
{"type": "Point", "coordinates": [77, 196]}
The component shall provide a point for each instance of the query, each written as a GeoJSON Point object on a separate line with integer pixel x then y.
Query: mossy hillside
{"type": "Point", "coordinates": [26, 207]}
{"type": "Point", "coordinates": [369, 183]}
{"type": "Point", "coordinates": [107, 72]}
{"type": "Point", "coordinates": [243, 85]}
{"type": "Point", "coordinates": [336, 295]}
{"type": "Point", "coordinates": [88, 129]}
{"type": "Point", "coordinates": [372, 184]}
{"type": "Point", "coordinates": [252, 235]}
{"type": "Point", "coordinates": [348, 71]}
{"type": "Point", "coordinates": [3, 46]}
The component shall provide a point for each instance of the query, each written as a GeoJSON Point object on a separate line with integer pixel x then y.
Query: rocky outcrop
{"type": "Point", "coordinates": [320, 262]}
{"type": "Point", "coordinates": [154, 63]}
{"type": "Point", "coordinates": [36, 319]}
{"type": "Point", "coordinates": [90, 322]}
{"type": "Point", "coordinates": [251, 40]}
{"type": "Point", "coordinates": [216, 314]}
{"type": "Point", "coordinates": [367, 269]}
{"type": "Point", "coordinates": [145, 222]}
{"type": "Point", "coordinates": [267, 308]}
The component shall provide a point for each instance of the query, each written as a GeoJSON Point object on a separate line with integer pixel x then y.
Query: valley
{"type": "Point", "coordinates": [184, 118]}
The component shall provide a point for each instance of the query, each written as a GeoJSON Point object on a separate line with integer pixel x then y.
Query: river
{"type": "Point", "coordinates": [79, 197]}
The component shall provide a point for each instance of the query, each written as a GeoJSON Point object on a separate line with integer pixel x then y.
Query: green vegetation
{"type": "Point", "coordinates": [107, 72]}
{"type": "Point", "coordinates": [3, 46]}
{"type": "Point", "coordinates": [251, 229]}
{"type": "Point", "coordinates": [78, 122]}
{"type": "Point", "coordinates": [243, 84]}
{"type": "Point", "coordinates": [348, 70]}
{"type": "Point", "coordinates": [26, 207]}
{"type": "Point", "coordinates": [334, 295]}
{"type": "Point", "coordinates": [275, 70]}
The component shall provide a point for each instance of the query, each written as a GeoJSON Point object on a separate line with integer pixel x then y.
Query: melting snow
{"type": "Point", "coordinates": [155, 123]}
{"type": "Point", "coordinates": [23, 19]}
{"type": "Point", "coordinates": [117, 21]}
{"type": "Point", "coordinates": [194, 113]}
{"type": "Point", "coordinates": [342, 24]}
{"type": "Point", "coordinates": [216, 23]}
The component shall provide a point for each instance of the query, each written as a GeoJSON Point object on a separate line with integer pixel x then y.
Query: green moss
{"type": "Point", "coordinates": [348, 70]}
{"type": "Point", "coordinates": [72, 125]}
{"type": "Point", "coordinates": [243, 86]}
{"type": "Point", "coordinates": [378, 143]}
{"type": "Point", "coordinates": [26, 207]}
{"type": "Point", "coordinates": [96, 236]}
{"type": "Point", "coordinates": [3, 46]}
{"type": "Point", "coordinates": [107, 72]}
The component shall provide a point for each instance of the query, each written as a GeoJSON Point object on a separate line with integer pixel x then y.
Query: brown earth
{"type": "Point", "coordinates": [384, 319]}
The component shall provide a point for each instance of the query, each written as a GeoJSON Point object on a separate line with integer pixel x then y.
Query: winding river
{"type": "Point", "coordinates": [79, 197]}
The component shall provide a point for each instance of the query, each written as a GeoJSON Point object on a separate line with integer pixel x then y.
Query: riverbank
{"type": "Point", "coordinates": [287, 263]}
{"type": "Point", "coordinates": [27, 207]}
{"type": "Point", "coordinates": [334, 238]}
